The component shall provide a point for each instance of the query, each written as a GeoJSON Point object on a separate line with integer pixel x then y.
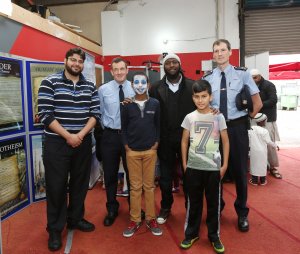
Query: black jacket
{"type": "Point", "coordinates": [140, 127]}
{"type": "Point", "coordinates": [268, 95]}
{"type": "Point", "coordinates": [160, 91]}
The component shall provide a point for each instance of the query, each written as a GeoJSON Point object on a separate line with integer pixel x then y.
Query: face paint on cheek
{"type": "Point", "coordinates": [140, 84]}
{"type": "Point", "coordinates": [140, 89]}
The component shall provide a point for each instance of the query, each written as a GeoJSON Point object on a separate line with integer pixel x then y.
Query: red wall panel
{"type": "Point", "coordinates": [190, 62]}
{"type": "Point", "coordinates": [35, 44]}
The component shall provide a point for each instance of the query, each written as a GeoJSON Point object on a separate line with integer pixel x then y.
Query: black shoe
{"type": "Point", "coordinates": [110, 219]}
{"type": "Point", "coordinates": [243, 223]}
{"type": "Point", "coordinates": [83, 225]}
{"type": "Point", "coordinates": [187, 243]}
{"type": "Point", "coordinates": [54, 241]}
{"type": "Point", "coordinates": [218, 246]}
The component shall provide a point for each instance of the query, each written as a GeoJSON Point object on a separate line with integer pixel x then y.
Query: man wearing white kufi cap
{"type": "Point", "coordinates": [169, 56]}
{"type": "Point", "coordinates": [174, 92]}
{"type": "Point", "coordinates": [259, 139]}
{"type": "Point", "coordinates": [268, 94]}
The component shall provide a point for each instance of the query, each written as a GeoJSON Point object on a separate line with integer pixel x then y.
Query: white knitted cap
{"type": "Point", "coordinates": [255, 72]}
{"type": "Point", "coordinates": [171, 55]}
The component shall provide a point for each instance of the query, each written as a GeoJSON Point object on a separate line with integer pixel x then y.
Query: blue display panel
{"type": "Point", "coordinates": [11, 96]}
{"type": "Point", "coordinates": [36, 71]}
{"type": "Point", "coordinates": [37, 167]}
{"type": "Point", "coordinates": [14, 193]}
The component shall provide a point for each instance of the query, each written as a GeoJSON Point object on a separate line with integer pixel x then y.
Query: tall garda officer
{"type": "Point", "coordinates": [227, 82]}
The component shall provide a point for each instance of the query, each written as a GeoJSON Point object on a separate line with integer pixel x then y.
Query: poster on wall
{"type": "Point", "coordinates": [96, 167]}
{"type": "Point", "coordinates": [0, 235]}
{"type": "Point", "coordinates": [89, 71]}
{"type": "Point", "coordinates": [36, 72]}
{"type": "Point", "coordinates": [11, 99]}
{"type": "Point", "coordinates": [13, 176]}
{"type": "Point", "coordinates": [38, 170]}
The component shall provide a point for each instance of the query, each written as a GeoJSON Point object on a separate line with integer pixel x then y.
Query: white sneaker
{"type": "Point", "coordinates": [163, 215]}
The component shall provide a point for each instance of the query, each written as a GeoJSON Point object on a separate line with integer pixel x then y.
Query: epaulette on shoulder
{"type": "Point", "coordinates": [240, 68]}
{"type": "Point", "coordinates": [207, 74]}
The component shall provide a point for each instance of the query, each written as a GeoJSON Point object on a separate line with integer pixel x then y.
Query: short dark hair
{"type": "Point", "coordinates": [77, 51]}
{"type": "Point", "coordinates": [140, 73]}
{"type": "Point", "coordinates": [201, 86]}
{"type": "Point", "coordinates": [218, 42]}
{"type": "Point", "coordinates": [118, 60]}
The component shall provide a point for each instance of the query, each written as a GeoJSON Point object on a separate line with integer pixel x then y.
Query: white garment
{"type": "Point", "coordinates": [259, 139]}
{"type": "Point", "coordinates": [174, 87]}
{"type": "Point", "coordinates": [273, 131]}
{"type": "Point", "coordinates": [272, 151]}
{"type": "Point", "coordinates": [141, 103]}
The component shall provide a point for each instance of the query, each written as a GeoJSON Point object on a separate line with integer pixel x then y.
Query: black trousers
{"type": "Point", "coordinates": [169, 151]}
{"type": "Point", "coordinates": [238, 158]}
{"type": "Point", "coordinates": [112, 150]}
{"type": "Point", "coordinates": [61, 161]}
{"type": "Point", "coordinates": [200, 183]}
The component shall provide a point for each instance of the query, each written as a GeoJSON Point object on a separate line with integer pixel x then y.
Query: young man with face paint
{"type": "Point", "coordinates": [140, 132]}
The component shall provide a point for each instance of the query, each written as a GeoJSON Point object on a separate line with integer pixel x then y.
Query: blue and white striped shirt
{"type": "Point", "coordinates": [70, 104]}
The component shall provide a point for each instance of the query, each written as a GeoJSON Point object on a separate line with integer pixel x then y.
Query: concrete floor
{"type": "Point", "coordinates": [288, 122]}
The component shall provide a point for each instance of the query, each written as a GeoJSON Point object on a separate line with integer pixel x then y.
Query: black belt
{"type": "Point", "coordinates": [113, 130]}
{"type": "Point", "coordinates": [237, 121]}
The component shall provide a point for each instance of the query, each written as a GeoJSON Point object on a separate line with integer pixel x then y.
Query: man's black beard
{"type": "Point", "coordinates": [172, 76]}
{"type": "Point", "coordinates": [73, 73]}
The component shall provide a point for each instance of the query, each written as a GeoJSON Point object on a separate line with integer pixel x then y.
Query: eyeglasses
{"type": "Point", "coordinates": [74, 60]}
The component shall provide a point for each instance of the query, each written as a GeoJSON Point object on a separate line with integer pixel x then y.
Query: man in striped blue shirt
{"type": "Point", "coordinates": [68, 106]}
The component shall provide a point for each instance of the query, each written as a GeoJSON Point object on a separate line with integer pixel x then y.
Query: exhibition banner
{"type": "Point", "coordinates": [89, 71]}
{"type": "Point", "coordinates": [11, 99]}
{"type": "Point", "coordinates": [38, 169]}
{"type": "Point", "coordinates": [0, 236]}
{"type": "Point", "coordinates": [36, 72]}
{"type": "Point", "coordinates": [13, 175]}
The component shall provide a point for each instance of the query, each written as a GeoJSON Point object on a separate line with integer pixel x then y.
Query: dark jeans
{"type": "Point", "coordinates": [169, 151]}
{"type": "Point", "coordinates": [112, 150]}
{"type": "Point", "coordinates": [60, 161]}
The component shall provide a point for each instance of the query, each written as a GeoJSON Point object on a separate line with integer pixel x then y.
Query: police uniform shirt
{"type": "Point", "coordinates": [110, 102]}
{"type": "Point", "coordinates": [236, 78]}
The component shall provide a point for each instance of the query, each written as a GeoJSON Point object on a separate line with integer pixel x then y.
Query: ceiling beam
{"type": "Point", "coordinates": [59, 2]}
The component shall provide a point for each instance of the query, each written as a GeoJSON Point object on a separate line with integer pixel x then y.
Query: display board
{"type": "Point", "coordinates": [11, 99]}
{"type": "Point", "coordinates": [13, 175]}
{"type": "Point", "coordinates": [22, 173]}
{"type": "Point", "coordinates": [89, 71]}
{"type": "Point", "coordinates": [37, 167]}
{"type": "Point", "coordinates": [35, 73]}
{"type": "Point", "coordinates": [0, 236]}
{"type": "Point", "coordinates": [95, 166]}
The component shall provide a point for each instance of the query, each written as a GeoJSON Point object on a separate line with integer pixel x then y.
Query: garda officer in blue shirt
{"type": "Point", "coordinates": [112, 94]}
{"type": "Point", "coordinates": [227, 81]}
